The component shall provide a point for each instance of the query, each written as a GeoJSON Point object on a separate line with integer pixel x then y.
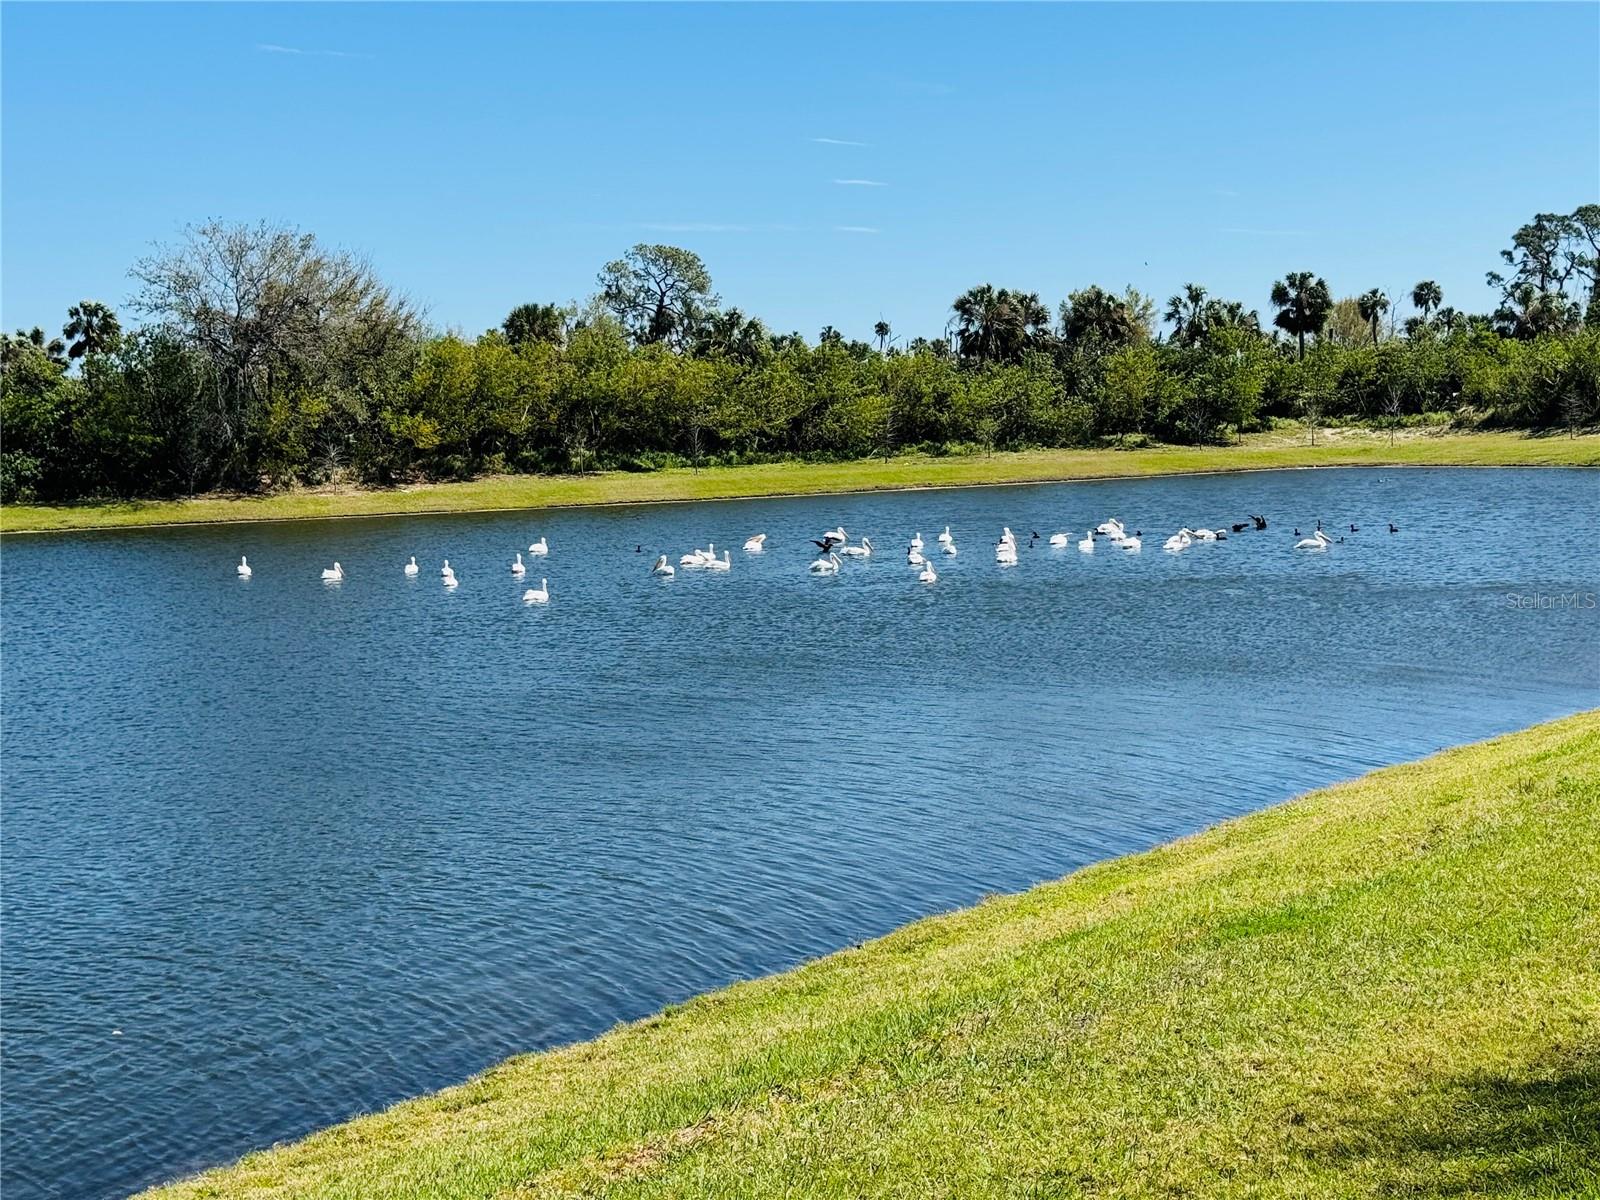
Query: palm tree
{"type": "Point", "coordinates": [1427, 296]}
{"type": "Point", "coordinates": [54, 349]}
{"type": "Point", "coordinates": [91, 328]}
{"type": "Point", "coordinates": [1186, 314]}
{"type": "Point", "coordinates": [1448, 319]}
{"type": "Point", "coordinates": [997, 325]}
{"type": "Point", "coordinates": [1303, 303]}
{"type": "Point", "coordinates": [881, 332]}
{"type": "Point", "coordinates": [535, 323]}
{"type": "Point", "coordinates": [1373, 304]}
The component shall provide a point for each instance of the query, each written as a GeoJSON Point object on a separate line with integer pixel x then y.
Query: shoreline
{"type": "Point", "coordinates": [1239, 960]}
{"type": "Point", "coordinates": [520, 493]}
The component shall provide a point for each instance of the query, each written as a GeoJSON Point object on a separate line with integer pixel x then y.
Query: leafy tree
{"type": "Point", "coordinates": [91, 328]}
{"type": "Point", "coordinates": [658, 294]}
{"type": "Point", "coordinates": [1303, 303]}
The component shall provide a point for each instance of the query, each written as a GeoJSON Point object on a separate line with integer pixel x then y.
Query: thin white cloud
{"type": "Point", "coordinates": [855, 229]}
{"type": "Point", "coordinates": [1221, 191]}
{"type": "Point", "coordinates": [1270, 232]}
{"type": "Point", "coordinates": [837, 142]}
{"type": "Point", "coordinates": [274, 48]}
{"type": "Point", "coordinates": [860, 183]}
{"type": "Point", "coordinates": [692, 227]}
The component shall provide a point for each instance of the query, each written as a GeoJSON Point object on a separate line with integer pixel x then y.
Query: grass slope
{"type": "Point", "coordinates": [1340, 447]}
{"type": "Point", "coordinates": [1387, 988]}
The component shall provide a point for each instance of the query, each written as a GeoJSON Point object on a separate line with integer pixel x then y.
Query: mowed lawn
{"type": "Point", "coordinates": [1335, 447]}
{"type": "Point", "coordinates": [1386, 988]}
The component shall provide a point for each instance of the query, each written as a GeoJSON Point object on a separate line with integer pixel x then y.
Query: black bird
{"type": "Point", "coordinates": [1261, 522]}
{"type": "Point", "coordinates": [1355, 529]}
{"type": "Point", "coordinates": [825, 545]}
{"type": "Point", "coordinates": [1240, 526]}
{"type": "Point", "coordinates": [1297, 531]}
{"type": "Point", "coordinates": [639, 549]}
{"type": "Point", "coordinates": [1319, 522]}
{"type": "Point", "coordinates": [1392, 529]}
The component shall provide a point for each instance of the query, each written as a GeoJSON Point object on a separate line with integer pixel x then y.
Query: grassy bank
{"type": "Point", "coordinates": [1340, 447]}
{"type": "Point", "coordinates": [1390, 987]}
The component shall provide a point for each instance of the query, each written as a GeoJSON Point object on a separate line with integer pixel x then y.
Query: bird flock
{"type": "Point", "coordinates": [834, 548]}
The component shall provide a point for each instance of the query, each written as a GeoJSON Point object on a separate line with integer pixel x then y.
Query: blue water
{"type": "Point", "coordinates": [277, 852]}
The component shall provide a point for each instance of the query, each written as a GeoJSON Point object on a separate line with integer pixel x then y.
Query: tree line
{"type": "Point", "coordinates": [262, 359]}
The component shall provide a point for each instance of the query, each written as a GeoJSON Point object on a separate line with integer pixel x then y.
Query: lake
{"type": "Point", "coordinates": [276, 852]}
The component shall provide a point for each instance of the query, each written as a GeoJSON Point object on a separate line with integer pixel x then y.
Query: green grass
{"type": "Point", "coordinates": [1387, 988]}
{"type": "Point", "coordinates": [1336, 447]}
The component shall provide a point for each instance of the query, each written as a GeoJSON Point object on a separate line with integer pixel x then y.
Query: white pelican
{"type": "Point", "coordinates": [243, 567]}
{"type": "Point", "coordinates": [945, 537]}
{"type": "Point", "coordinates": [756, 544]}
{"type": "Point", "coordinates": [1087, 544]}
{"type": "Point", "coordinates": [449, 576]}
{"type": "Point", "coordinates": [539, 548]}
{"type": "Point", "coordinates": [1204, 535]}
{"type": "Point", "coordinates": [826, 565]}
{"type": "Point", "coordinates": [694, 558]}
{"type": "Point", "coordinates": [1178, 541]}
{"type": "Point", "coordinates": [836, 535]}
{"type": "Point", "coordinates": [445, 570]}
{"type": "Point", "coordinates": [927, 574]}
{"type": "Point", "coordinates": [948, 547]}
{"type": "Point", "coordinates": [1059, 539]}
{"type": "Point", "coordinates": [725, 563]}
{"type": "Point", "coordinates": [1131, 543]}
{"type": "Point", "coordinates": [1111, 528]}
{"type": "Point", "coordinates": [517, 568]}
{"type": "Point", "coordinates": [916, 540]}
{"type": "Point", "coordinates": [862, 551]}
{"type": "Point", "coordinates": [1007, 537]}
{"type": "Point", "coordinates": [537, 595]}
{"type": "Point", "coordinates": [1317, 541]}
{"type": "Point", "coordinates": [1006, 554]}
{"type": "Point", "coordinates": [334, 574]}
{"type": "Point", "coordinates": [914, 557]}
{"type": "Point", "coordinates": [663, 568]}
{"type": "Point", "coordinates": [412, 568]}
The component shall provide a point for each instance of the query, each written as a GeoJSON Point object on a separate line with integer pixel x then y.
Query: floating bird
{"type": "Point", "coordinates": [663, 568]}
{"type": "Point", "coordinates": [412, 568]}
{"type": "Point", "coordinates": [1006, 554]}
{"type": "Point", "coordinates": [540, 548]}
{"type": "Point", "coordinates": [334, 574]}
{"type": "Point", "coordinates": [1178, 541]}
{"type": "Point", "coordinates": [862, 551]}
{"type": "Point", "coordinates": [538, 595]}
{"type": "Point", "coordinates": [1392, 528]}
{"type": "Point", "coordinates": [1203, 535]}
{"type": "Point", "coordinates": [445, 570]}
{"type": "Point", "coordinates": [1059, 539]}
{"type": "Point", "coordinates": [725, 563]}
{"type": "Point", "coordinates": [755, 545]}
{"type": "Point", "coordinates": [837, 536]}
{"type": "Point", "coordinates": [828, 564]}
{"type": "Point", "coordinates": [1317, 541]}
{"type": "Point", "coordinates": [1355, 529]}
{"type": "Point", "coordinates": [945, 538]}
{"type": "Point", "coordinates": [243, 568]}
{"type": "Point", "coordinates": [1241, 526]}
{"type": "Point", "coordinates": [1007, 537]}
{"type": "Point", "coordinates": [1131, 543]}
{"type": "Point", "coordinates": [1260, 522]}
{"type": "Point", "coordinates": [1111, 528]}
{"type": "Point", "coordinates": [449, 577]}
{"type": "Point", "coordinates": [927, 574]}
{"type": "Point", "coordinates": [949, 548]}
{"type": "Point", "coordinates": [517, 568]}
{"type": "Point", "coordinates": [1087, 544]}
{"type": "Point", "coordinates": [916, 540]}
{"type": "Point", "coordinates": [914, 557]}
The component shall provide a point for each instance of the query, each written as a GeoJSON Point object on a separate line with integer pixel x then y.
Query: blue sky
{"type": "Point", "coordinates": [486, 155]}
